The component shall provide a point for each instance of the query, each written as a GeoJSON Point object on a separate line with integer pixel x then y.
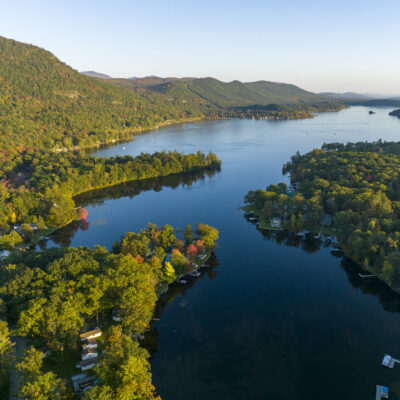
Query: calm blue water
{"type": "Point", "coordinates": [279, 317]}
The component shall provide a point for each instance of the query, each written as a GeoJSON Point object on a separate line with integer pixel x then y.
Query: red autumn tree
{"type": "Point", "coordinates": [192, 251]}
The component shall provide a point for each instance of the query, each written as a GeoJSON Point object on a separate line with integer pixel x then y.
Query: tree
{"type": "Point", "coordinates": [124, 371]}
{"type": "Point", "coordinates": [188, 234]}
{"type": "Point", "coordinates": [8, 242]}
{"type": "Point", "coordinates": [208, 234]}
{"type": "Point", "coordinates": [169, 272]}
{"type": "Point", "coordinates": [6, 355]}
{"type": "Point", "coordinates": [34, 383]}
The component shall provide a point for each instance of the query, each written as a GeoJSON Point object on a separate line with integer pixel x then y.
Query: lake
{"type": "Point", "coordinates": [277, 316]}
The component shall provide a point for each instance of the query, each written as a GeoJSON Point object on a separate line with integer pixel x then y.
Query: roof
{"type": "Point", "coordinates": [90, 361]}
{"type": "Point", "coordinates": [386, 360]}
{"type": "Point", "coordinates": [89, 351]}
{"type": "Point", "coordinates": [90, 333]}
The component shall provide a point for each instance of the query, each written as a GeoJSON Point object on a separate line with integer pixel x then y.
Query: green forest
{"type": "Point", "coordinates": [47, 105]}
{"type": "Point", "coordinates": [51, 296]}
{"type": "Point", "coordinates": [350, 191]}
{"type": "Point", "coordinates": [39, 188]}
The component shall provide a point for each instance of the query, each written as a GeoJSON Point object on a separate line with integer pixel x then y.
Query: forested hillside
{"type": "Point", "coordinates": [226, 94]}
{"type": "Point", "coordinates": [45, 104]}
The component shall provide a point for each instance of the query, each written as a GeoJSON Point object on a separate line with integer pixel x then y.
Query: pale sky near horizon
{"type": "Point", "coordinates": [320, 45]}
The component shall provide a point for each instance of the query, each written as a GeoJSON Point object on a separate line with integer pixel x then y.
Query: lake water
{"type": "Point", "coordinates": [277, 316]}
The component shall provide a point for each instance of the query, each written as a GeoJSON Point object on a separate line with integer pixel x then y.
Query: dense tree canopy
{"type": "Point", "coordinates": [354, 189]}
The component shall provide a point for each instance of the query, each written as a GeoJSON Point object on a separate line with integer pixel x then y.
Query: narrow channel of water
{"type": "Point", "coordinates": [279, 316]}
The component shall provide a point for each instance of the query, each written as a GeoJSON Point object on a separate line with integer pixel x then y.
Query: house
{"type": "Point", "coordinates": [82, 382]}
{"type": "Point", "coordinates": [4, 254]}
{"type": "Point", "coordinates": [90, 344]}
{"type": "Point", "coordinates": [275, 222]}
{"type": "Point", "coordinates": [87, 364]}
{"type": "Point", "coordinates": [90, 334]}
{"type": "Point", "coordinates": [89, 353]}
{"type": "Point", "coordinates": [115, 315]}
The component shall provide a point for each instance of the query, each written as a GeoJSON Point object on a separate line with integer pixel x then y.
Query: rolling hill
{"type": "Point", "coordinates": [95, 74]}
{"type": "Point", "coordinates": [47, 105]}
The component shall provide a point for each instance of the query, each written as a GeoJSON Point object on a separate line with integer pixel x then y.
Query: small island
{"type": "Point", "coordinates": [395, 113]}
{"type": "Point", "coordinates": [349, 191]}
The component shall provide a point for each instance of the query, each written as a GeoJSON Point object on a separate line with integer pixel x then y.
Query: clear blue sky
{"type": "Point", "coordinates": [340, 45]}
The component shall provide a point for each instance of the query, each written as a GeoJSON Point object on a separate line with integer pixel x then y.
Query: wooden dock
{"type": "Point", "coordinates": [366, 275]}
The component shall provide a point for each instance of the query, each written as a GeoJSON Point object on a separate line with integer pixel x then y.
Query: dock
{"type": "Point", "coordinates": [382, 392]}
{"type": "Point", "coordinates": [366, 275]}
{"type": "Point", "coordinates": [388, 361]}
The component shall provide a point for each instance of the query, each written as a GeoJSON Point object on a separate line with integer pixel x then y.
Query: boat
{"type": "Point", "coordinates": [182, 282]}
{"type": "Point", "coordinates": [195, 274]}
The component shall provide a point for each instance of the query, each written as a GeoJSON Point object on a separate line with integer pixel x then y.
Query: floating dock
{"type": "Point", "coordinates": [388, 361]}
{"type": "Point", "coordinates": [382, 392]}
{"type": "Point", "coordinates": [366, 275]}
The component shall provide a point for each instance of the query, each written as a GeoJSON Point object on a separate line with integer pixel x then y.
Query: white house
{"type": "Point", "coordinates": [89, 344]}
{"type": "Point", "coordinates": [275, 222]}
{"type": "Point", "coordinates": [90, 334]}
{"type": "Point", "coordinates": [88, 364]}
{"type": "Point", "coordinates": [89, 353]}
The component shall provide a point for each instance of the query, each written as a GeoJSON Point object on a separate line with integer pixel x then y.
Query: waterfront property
{"type": "Point", "coordinates": [90, 334]}
{"type": "Point", "coordinates": [87, 364]}
{"type": "Point", "coordinates": [89, 344]}
{"type": "Point", "coordinates": [89, 353]}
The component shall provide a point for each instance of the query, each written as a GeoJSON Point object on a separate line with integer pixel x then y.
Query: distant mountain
{"type": "Point", "coordinates": [47, 105]}
{"type": "Point", "coordinates": [223, 94]}
{"type": "Point", "coordinates": [347, 96]}
{"type": "Point", "coordinates": [95, 74]}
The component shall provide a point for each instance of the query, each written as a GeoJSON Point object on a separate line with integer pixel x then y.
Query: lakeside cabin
{"type": "Point", "coordinates": [115, 315]}
{"type": "Point", "coordinates": [93, 334]}
{"type": "Point", "coordinates": [82, 382]}
{"type": "Point", "coordinates": [87, 364]}
{"type": "Point", "coordinates": [275, 222]}
{"type": "Point", "coordinates": [4, 254]}
{"type": "Point", "coordinates": [89, 353]}
{"type": "Point", "coordinates": [89, 344]}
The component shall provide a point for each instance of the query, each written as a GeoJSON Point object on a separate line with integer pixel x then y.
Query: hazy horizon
{"type": "Point", "coordinates": [348, 46]}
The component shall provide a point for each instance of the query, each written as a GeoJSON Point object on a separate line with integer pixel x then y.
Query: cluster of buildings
{"type": "Point", "coordinates": [83, 382]}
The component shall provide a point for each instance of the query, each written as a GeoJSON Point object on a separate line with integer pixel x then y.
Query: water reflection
{"type": "Point", "coordinates": [174, 291]}
{"type": "Point", "coordinates": [311, 243]}
{"type": "Point", "coordinates": [63, 236]}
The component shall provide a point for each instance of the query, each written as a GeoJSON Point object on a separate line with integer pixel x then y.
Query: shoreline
{"type": "Point", "coordinates": [367, 268]}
